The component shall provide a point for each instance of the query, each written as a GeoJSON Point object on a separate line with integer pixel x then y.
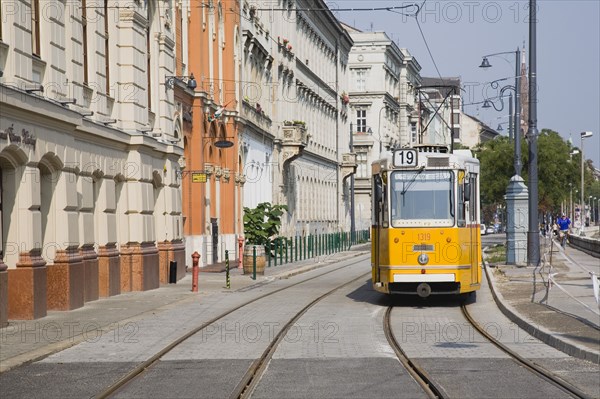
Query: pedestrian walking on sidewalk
{"type": "Point", "coordinates": [563, 224]}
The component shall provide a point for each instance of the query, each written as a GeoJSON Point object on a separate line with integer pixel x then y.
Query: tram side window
{"type": "Point", "coordinates": [377, 198]}
{"type": "Point", "coordinates": [473, 207]}
{"type": "Point", "coordinates": [460, 214]}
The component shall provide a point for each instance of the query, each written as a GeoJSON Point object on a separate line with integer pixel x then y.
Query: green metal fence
{"type": "Point", "coordinates": [285, 250]}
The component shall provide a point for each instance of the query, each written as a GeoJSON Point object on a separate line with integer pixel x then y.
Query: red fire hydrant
{"type": "Point", "coordinates": [195, 270]}
{"type": "Point", "coordinates": [240, 251]}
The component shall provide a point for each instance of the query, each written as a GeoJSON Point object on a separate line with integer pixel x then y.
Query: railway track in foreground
{"type": "Point", "coordinates": [250, 379]}
{"type": "Point", "coordinates": [435, 390]}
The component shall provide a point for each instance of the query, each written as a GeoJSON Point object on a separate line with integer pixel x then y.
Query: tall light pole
{"type": "Point", "coordinates": [571, 202]}
{"type": "Point", "coordinates": [533, 234]}
{"type": "Point", "coordinates": [516, 192]}
{"type": "Point", "coordinates": [590, 209]}
{"type": "Point", "coordinates": [516, 123]}
{"type": "Point", "coordinates": [583, 135]}
{"type": "Point", "coordinates": [352, 214]}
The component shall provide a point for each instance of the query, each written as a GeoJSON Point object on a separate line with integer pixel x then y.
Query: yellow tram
{"type": "Point", "coordinates": [425, 222]}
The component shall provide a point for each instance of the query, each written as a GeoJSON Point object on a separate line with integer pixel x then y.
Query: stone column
{"type": "Point", "coordinates": [517, 198]}
{"type": "Point", "coordinates": [3, 294]}
{"type": "Point", "coordinates": [66, 274]}
{"type": "Point", "coordinates": [173, 245]}
{"type": "Point", "coordinates": [26, 281]}
{"type": "Point", "coordinates": [109, 276]}
{"type": "Point", "coordinates": [139, 256]}
{"type": "Point", "coordinates": [3, 271]}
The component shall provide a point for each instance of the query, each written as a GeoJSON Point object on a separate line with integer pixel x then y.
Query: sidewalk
{"type": "Point", "coordinates": [564, 314]}
{"type": "Point", "coordinates": [24, 341]}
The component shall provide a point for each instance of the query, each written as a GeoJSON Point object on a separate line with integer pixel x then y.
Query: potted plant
{"type": "Point", "coordinates": [261, 226]}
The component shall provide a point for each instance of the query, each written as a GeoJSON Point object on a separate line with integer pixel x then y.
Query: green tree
{"type": "Point", "coordinates": [496, 159]}
{"type": "Point", "coordinates": [556, 169]}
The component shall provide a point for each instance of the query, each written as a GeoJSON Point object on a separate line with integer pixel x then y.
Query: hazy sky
{"type": "Point", "coordinates": [459, 33]}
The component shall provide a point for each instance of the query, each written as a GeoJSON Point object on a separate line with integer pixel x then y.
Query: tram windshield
{"type": "Point", "coordinates": [422, 198]}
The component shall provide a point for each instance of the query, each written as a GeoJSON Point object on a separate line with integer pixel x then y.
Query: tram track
{"type": "Point", "coordinates": [532, 366]}
{"type": "Point", "coordinates": [415, 370]}
{"type": "Point", "coordinates": [434, 390]}
{"type": "Point", "coordinates": [250, 378]}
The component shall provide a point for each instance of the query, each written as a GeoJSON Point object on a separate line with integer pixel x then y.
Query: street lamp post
{"type": "Point", "coordinates": [533, 234]}
{"type": "Point", "coordinates": [571, 202]}
{"type": "Point", "coordinates": [516, 123]}
{"type": "Point", "coordinates": [352, 214]}
{"type": "Point", "coordinates": [516, 192]}
{"type": "Point", "coordinates": [583, 135]}
{"type": "Point", "coordinates": [590, 210]}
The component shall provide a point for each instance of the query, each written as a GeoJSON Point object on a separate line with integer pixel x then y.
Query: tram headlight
{"type": "Point", "coordinates": [423, 259]}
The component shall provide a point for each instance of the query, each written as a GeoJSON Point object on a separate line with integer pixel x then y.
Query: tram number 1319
{"type": "Point", "coordinates": [405, 158]}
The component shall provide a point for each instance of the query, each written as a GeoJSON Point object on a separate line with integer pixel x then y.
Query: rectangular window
{"type": "Point", "coordinates": [149, 78]}
{"type": "Point", "coordinates": [456, 102]}
{"type": "Point", "coordinates": [473, 198]}
{"type": "Point", "coordinates": [106, 49]}
{"type": "Point", "coordinates": [178, 40]}
{"type": "Point", "coordinates": [413, 132]}
{"type": "Point", "coordinates": [361, 79]}
{"type": "Point", "coordinates": [456, 133]}
{"type": "Point", "coordinates": [362, 170]}
{"type": "Point", "coordinates": [422, 198]}
{"type": "Point", "coordinates": [35, 27]}
{"type": "Point", "coordinates": [84, 37]}
{"type": "Point", "coordinates": [1, 25]}
{"type": "Point", "coordinates": [361, 120]}
{"type": "Point", "coordinates": [460, 203]}
{"type": "Point", "coordinates": [456, 118]}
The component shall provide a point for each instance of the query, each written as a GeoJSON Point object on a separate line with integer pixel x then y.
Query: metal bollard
{"type": "Point", "coordinates": [227, 279]}
{"type": "Point", "coordinates": [254, 263]}
{"type": "Point", "coordinates": [195, 270]}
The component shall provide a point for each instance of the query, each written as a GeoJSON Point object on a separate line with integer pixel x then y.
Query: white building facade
{"type": "Point", "coordinates": [89, 151]}
{"type": "Point", "coordinates": [296, 138]}
{"type": "Point", "coordinates": [382, 106]}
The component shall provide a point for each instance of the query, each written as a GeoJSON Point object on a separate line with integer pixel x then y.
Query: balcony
{"type": "Point", "coordinates": [364, 139]}
{"type": "Point", "coordinates": [294, 140]}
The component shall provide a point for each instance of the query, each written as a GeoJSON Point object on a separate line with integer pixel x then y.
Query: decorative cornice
{"type": "Point", "coordinates": [129, 15]}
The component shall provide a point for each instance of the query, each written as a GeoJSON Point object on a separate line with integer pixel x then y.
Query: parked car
{"type": "Point", "coordinates": [483, 232]}
{"type": "Point", "coordinates": [490, 230]}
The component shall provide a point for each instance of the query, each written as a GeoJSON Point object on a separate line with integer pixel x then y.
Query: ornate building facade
{"type": "Point", "coordinates": [382, 99]}
{"type": "Point", "coordinates": [212, 175]}
{"type": "Point", "coordinates": [89, 153]}
{"type": "Point", "coordinates": [295, 142]}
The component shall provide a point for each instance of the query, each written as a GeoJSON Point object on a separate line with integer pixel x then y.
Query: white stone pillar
{"type": "Point", "coordinates": [517, 212]}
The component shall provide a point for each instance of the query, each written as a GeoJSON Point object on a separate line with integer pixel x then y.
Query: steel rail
{"type": "Point", "coordinates": [130, 376]}
{"type": "Point", "coordinates": [250, 380]}
{"type": "Point", "coordinates": [532, 366]}
{"type": "Point", "coordinates": [418, 374]}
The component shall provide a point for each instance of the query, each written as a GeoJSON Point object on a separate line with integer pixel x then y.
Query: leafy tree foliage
{"type": "Point", "coordinates": [496, 158]}
{"type": "Point", "coordinates": [556, 169]}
